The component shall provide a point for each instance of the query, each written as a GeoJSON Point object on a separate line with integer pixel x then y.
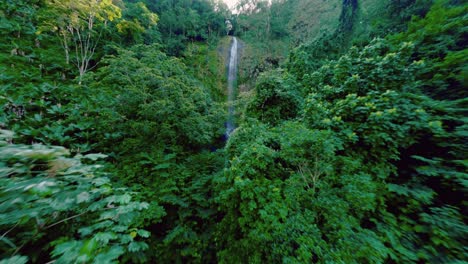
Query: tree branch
{"type": "Point", "coordinates": [6, 233]}
{"type": "Point", "coordinates": [64, 220]}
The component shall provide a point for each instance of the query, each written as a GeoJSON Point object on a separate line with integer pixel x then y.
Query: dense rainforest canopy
{"type": "Point", "coordinates": [350, 143]}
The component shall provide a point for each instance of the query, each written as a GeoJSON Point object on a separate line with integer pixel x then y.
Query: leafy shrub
{"type": "Point", "coordinates": [157, 101]}
{"type": "Point", "coordinates": [63, 206]}
{"type": "Point", "coordinates": [440, 42]}
{"type": "Point", "coordinates": [384, 117]}
{"type": "Point", "coordinates": [277, 98]}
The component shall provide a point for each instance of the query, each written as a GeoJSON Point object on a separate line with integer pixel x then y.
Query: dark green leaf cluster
{"type": "Point", "coordinates": [442, 48]}
{"type": "Point", "coordinates": [138, 25]}
{"type": "Point", "coordinates": [277, 98]}
{"type": "Point", "coordinates": [157, 101]}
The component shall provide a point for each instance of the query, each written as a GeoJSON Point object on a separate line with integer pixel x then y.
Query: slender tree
{"type": "Point", "coordinates": [78, 25]}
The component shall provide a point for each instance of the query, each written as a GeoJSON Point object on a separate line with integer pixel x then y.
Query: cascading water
{"type": "Point", "coordinates": [232, 76]}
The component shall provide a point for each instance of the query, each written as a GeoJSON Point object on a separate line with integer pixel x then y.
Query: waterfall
{"type": "Point", "coordinates": [232, 76]}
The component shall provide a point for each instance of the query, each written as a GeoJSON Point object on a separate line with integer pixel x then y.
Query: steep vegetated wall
{"type": "Point", "coordinates": [322, 28]}
{"type": "Point", "coordinates": [313, 18]}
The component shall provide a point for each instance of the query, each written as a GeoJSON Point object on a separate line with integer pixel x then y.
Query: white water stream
{"type": "Point", "coordinates": [232, 77]}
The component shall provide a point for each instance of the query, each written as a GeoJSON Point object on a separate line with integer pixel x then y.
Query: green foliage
{"type": "Point", "coordinates": [367, 167]}
{"type": "Point", "coordinates": [440, 40]}
{"type": "Point", "coordinates": [22, 53]}
{"type": "Point", "coordinates": [206, 65]}
{"type": "Point", "coordinates": [277, 98]}
{"type": "Point", "coordinates": [90, 220]}
{"type": "Point", "coordinates": [59, 205]}
{"type": "Point", "coordinates": [49, 114]}
{"type": "Point", "coordinates": [345, 156]}
{"type": "Point", "coordinates": [264, 29]}
{"type": "Point", "coordinates": [155, 100]}
{"type": "Point", "coordinates": [18, 17]}
{"type": "Point", "coordinates": [15, 260]}
{"type": "Point", "coordinates": [397, 124]}
{"type": "Point", "coordinates": [359, 22]}
{"type": "Point", "coordinates": [78, 26]}
{"type": "Point", "coordinates": [158, 101]}
{"type": "Point", "coordinates": [182, 21]}
{"type": "Point", "coordinates": [187, 197]}
{"type": "Point", "coordinates": [286, 191]}
{"type": "Point", "coordinates": [138, 24]}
